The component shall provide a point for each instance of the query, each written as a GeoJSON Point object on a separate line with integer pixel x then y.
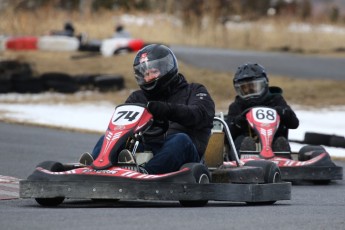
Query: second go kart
{"type": "Point", "coordinates": [311, 163]}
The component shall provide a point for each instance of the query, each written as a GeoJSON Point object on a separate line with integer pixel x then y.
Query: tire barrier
{"type": "Point", "coordinates": [316, 138]}
{"type": "Point", "coordinates": [312, 138]}
{"type": "Point", "coordinates": [106, 47]}
{"type": "Point", "coordinates": [59, 82]}
{"type": "Point", "coordinates": [18, 77]}
{"type": "Point", "coordinates": [22, 43]}
{"type": "Point", "coordinates": [109, 82]}
{"type": "Point", "coordinates": [58, 43]}
{"type": "Point", "coordinates": [337, 141]}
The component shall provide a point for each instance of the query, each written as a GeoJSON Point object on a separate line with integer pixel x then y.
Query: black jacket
{"type": "Point", "coordinates": [274, 99]}
{"type": "Point", "coordinates": [192, 110]}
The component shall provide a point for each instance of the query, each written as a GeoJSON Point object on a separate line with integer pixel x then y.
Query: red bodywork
{"type": "Point", "coordinates": [265, 122]}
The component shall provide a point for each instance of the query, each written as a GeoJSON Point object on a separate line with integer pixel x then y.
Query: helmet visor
{"type": "Point", "coordinates": [149, 71]}
{"type": "Point", "coordinates": [250, 89]}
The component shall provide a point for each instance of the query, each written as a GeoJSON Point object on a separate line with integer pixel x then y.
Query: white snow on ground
{"type": "Point", "coordinates": [95, 117]}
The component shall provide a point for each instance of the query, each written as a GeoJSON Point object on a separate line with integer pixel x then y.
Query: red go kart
{"type": "Point", "coordinates": [53, 182]}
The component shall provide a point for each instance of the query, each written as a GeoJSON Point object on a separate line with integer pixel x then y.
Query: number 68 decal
{"type": "Point", "coordinates": [264, 115]}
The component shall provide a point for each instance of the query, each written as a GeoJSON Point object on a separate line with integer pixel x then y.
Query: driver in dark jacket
{"type": "Point", "coordinates": [187, 106]}
{"type": "Point", "coordinates": [251, 85]}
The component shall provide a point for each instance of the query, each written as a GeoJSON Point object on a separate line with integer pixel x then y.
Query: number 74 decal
{"type": "Point", "coordinates": [127, 115]}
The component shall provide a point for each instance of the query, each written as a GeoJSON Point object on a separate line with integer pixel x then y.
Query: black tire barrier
{"type": "Point", "coordinates": [109, 82]}
{"type": "Point", "coordinates": [59, 82]}
{"type": "Point", "coordinates": [15, 70]}
{"type": "Point", "coordinates": [85, 81]}
{"type": "Point", "coordinates": [31, 85]}
{"type": "Point", "coordinates": [90, 47]}
{"type": "Point", "coordinates": [18, 77]}
{"type": "Point", "coordinates": [337, 141]}
{"type": "Point", "coordinates": [317, 138]}
{"type": "Point", "coordinates": [5, 86]}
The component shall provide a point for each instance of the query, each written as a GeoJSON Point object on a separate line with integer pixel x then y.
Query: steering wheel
{"type": "Point", "coordinates": [157, 128]}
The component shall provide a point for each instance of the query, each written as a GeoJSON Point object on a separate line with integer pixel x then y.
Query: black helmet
{"type": "Point", "coordinates": [250, 81]}
{"type": "Point", "coordinates": [158, 60]}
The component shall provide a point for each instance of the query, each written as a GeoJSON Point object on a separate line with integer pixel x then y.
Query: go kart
{"type": "Point", "coordinates": [311, 163]}
{"type": "Point", "coordinates": [105, 178]}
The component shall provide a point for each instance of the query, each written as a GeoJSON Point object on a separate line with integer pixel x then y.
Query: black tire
{"type": "Point", "coordinates": [85, 81]}
{"type": "Point", "coordinates": [109, 82]}
{"type": "Point", "coordinates": [337, 141]}
{"type": "Point", "coordinates": [307, 152]}
{"type": "Point", "coordinates": [90, 48]}
{"type": "Point", "coordinates": [59, 82]}
{"type": "Point", "coordinates": [202, 176]}
{"type": "Point", "coordinates": [317, 138]}
{"type": "Point", "coordinates": [32, 85]}
{"type": "Point", "coordinates": [15, 70]}
{"type": "Point", "coordinates": [5, 86]}
{"type": "Point", "coordinates": [54, 167]}
{"type": "Point", "coordinates": [50, 202]}
{"type": "Point", "coordinates": [271, 172]}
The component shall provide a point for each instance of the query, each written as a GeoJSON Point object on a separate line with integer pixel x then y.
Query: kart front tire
{"type": "Point", "coordinates": [202, 176]}
{"type": "Point", "coordinates": [54, 167]}
{"type": "Point", "coordinates": [50, 202]}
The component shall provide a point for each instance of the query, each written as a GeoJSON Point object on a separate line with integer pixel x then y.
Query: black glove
{"type": "Point", "coordinates": [160, 110]}
{"type": "Point", "coordinates": [240, 121]}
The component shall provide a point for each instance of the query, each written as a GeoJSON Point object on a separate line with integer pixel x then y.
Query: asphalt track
{"type": "Point", "coordinates": [23, 147]}
{"type": "Point", "coordinates": [284, 64]}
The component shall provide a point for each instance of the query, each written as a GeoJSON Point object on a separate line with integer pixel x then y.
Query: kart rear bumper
{"type": "Point", "coordinates": [155, 191]}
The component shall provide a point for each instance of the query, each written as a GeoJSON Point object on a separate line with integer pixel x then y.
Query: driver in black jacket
{"type": "Point", "coordinates": [187, 106]}
{"type": "Point", "coordinates": [251, 85]}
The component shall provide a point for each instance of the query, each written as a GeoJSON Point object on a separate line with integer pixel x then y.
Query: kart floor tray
{"type": "Point", "coordinates": [155, 191]}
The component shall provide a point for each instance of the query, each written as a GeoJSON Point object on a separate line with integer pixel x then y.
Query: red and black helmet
{"type": "Point", "coordinates": [157, 57]}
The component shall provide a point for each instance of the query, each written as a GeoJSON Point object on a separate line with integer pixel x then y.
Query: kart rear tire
{"type": "Point", "coordinates": [270, 169]}
{"type": "Point", "coordinates": [309, 151]}
{"type": "Point", "coordinates": [202, 176]}
{"type": "Point", "coordinates": [271, 172]}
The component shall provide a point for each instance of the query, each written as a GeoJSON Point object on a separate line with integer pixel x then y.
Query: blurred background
{"type": "Point", "coordinates": [303, 27]}
{"type": "Point", "coordinates": [289, 25]}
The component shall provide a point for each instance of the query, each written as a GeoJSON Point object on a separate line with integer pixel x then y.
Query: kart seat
{"type": "Point", "coordinates": [214, 153]}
